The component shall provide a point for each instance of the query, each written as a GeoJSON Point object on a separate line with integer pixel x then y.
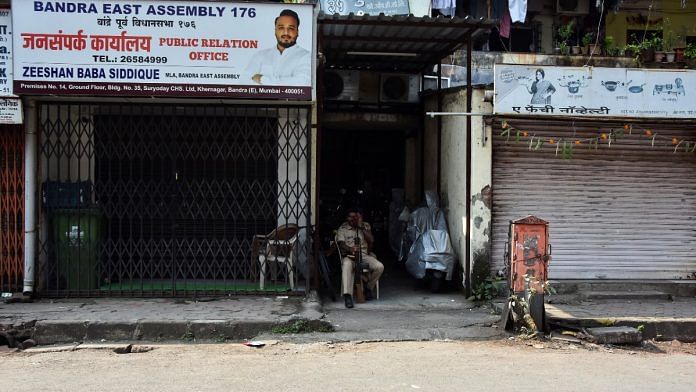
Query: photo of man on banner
{"type": "Point", "coordinates": [286, 63]}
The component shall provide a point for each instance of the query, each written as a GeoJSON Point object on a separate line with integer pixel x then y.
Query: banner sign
{"type": "Point", "coordinates": [362, 7]}
{"type": "Point", "coordinates": [163, 48]}
{"type": "Point", "coordinates": [10, 111]}
{"type": "Point", "coordinates": [593, 91]}
{"type": "Point", "coordinates": [5, 53]}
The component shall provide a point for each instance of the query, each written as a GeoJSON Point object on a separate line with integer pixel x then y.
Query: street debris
{"type": "Point", "coordinates": [255, 343]}
{"type": "Point", "coordinates": [131, 349]}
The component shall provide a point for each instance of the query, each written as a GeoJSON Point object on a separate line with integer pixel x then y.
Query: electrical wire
{"type": "Point", "coordinates": [647, 21]}
{"type": "Point", "coordinates": [599, 25]}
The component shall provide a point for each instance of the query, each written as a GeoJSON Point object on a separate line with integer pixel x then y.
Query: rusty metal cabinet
{"type": "Point", "coordinates": [529, 253]}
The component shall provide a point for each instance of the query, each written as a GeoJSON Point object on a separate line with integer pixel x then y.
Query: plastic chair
{"type": "Point", "coordinates": [364, 271]}
{"type": "Point", "coordinates": [279, 247]}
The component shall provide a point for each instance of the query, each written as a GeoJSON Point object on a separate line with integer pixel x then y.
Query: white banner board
{"type": "Point", "coordinates": [593, 91]}
{"type": "Point", "coordinates": [11, 111]}
{"type": "Point", "coordinates": [163, 48]}
{"type": "Point", "coordinates": [5, 53]}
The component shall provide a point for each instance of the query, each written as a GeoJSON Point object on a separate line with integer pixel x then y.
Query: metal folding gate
{"type": "Point", "coordinates": [621, 203]}
{"type": "Point", "coordinates": [164, 200]}
{"type": "Point", "coordinates": [11, 208]}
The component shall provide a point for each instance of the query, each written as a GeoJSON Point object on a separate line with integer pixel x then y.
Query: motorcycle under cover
{"type": "Point", "coordinates": [430, 247]}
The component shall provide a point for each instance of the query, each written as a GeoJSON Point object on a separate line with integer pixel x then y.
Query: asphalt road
{"type": "Point", "coordinates": [395, 366]}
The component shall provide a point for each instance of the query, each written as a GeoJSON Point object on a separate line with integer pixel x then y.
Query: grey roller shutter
{"type": "Point", "coordinates": [622, 212]}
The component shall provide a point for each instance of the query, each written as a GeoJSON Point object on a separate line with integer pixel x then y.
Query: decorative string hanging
{"type": "Point", "coordinates": [565, 145]}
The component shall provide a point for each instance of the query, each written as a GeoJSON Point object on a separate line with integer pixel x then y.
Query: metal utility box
{"type": "Point", "coordinates": [77, 235]}
{"type": "Point", "coordinates": [529, 254]}
{"type": "Point", "coordinates": [528, 258]}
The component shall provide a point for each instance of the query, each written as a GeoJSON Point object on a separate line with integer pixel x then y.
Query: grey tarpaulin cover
{"type": "Point", "coordinates": [430, 240]}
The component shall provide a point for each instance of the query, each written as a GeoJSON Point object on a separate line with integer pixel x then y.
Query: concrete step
{"type": "Point", "coordinates": [626, 295]}
{"type": "Point", "coordinates": [677, 288]}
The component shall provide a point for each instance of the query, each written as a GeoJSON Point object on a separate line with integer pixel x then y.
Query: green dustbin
{"type": "Point", "coordinates": [77, 236]}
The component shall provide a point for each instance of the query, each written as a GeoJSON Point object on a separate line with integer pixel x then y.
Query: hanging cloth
{"type": "Point", "coordinates": [505, 25]}
{"type": "Point", "coordinates": [446, 7]}
{"type": "Point", "coordinates": [518, 10]}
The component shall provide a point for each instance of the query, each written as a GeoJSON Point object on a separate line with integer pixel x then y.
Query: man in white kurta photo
{"type": "Point", "coordinates": [286, 63]}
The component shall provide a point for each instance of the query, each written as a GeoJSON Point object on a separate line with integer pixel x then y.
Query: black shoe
{"type": "Point", "coordinates": [348, 300]}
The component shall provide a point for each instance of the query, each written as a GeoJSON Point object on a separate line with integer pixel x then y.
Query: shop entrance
{"type": "Point", "coordinates": [170, 200]}
{"type": "Point", "coordinates": [359, 168]}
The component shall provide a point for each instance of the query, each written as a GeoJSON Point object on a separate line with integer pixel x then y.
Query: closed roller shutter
{"type": "Point", "coordinates": [622, 212]}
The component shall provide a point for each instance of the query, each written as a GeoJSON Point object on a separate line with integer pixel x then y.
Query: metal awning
{"type": "Point", "coordinates": [406, 44]}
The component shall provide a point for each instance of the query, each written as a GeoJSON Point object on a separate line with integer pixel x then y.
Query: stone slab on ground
{"type": "Point", "coordinates": [615, 335]}
{"type": "Point", "coordinates": [626, 295]}
{"type": "Point", "coordinates": [658, 319]}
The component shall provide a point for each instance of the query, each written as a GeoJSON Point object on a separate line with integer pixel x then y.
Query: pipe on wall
{"type": "Point", "coordinates": [30, 182]}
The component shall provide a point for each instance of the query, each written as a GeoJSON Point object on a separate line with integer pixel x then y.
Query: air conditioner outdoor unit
{"type": "Point", "coordinates": [342, 85]}
{"type": "Point", "coordinates": [399, 88]}
{"type": "Point", "coordinates": [572, 7]}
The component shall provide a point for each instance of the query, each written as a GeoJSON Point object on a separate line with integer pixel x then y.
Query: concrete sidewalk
{"type": "Point", "coordinates": [84, 320]}
{"type": "Point", "coordinates": [402, 313]}
{"type": "Point", "coordinates": [660, 319]}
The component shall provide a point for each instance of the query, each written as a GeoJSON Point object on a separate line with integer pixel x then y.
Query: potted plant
{"type": "Point", "coordinates": [631, 50]}
{"type": "Point", "coordinates": [668, 41]}
{"type": "Point", "coordinates": [680, 45]}
{"type": "Point", "coordinates": [564, 34]}
{"type": "Point", "coordinates": [608, 46]}
{"type": "Point", "coordinates": [588, 40]}
{"type": "Point", "coordinates": [657, 44]}
{"type": "Point", "coordinates": [690, 55]}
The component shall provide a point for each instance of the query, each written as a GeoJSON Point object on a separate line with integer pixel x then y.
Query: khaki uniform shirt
{"type": "Point", "coordinates": [347, 234]}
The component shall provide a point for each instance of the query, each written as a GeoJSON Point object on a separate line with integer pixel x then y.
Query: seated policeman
{"type": "Point", "coordinates": [345, 237]}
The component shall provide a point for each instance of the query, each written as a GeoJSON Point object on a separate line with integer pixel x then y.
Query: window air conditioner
{"type": "Point", "coordinates": [342, 85]}
{"type": "Point", "coordinates": [573, 7]}
{"type": "Point", "coordinates": [399, 88]}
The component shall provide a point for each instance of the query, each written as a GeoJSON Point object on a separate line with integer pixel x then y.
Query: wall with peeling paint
{"type": "Point", "coordinates": [453, 178]}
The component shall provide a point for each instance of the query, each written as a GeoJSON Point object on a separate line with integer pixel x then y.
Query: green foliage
{"type": "Point", "coordinates": [188, 337]}
{"type": "Point", "coordinates": [632, 50]}
{"type": "Point", "coordinates": [565, 32]}
{"type": "Point", "coordinates": [668, 36]}
{"type": "Point", "coordinates": [488, 289]}
{"type": "Point", "coordinates": [606, 322]}
{"type": "Point", "coordinates": [654, 42]}
{"type": "Point", "coordinates": [690, 51]}
{"type": "Point", "coordinates": [609, 48]}
{"type": "Point", "coordinates": [563, 47]}
{"type": "Point", "coordinates": [481, 269]}
{"type": "Point", "coordinates": [300, 326]}
{"type": "Point", "coordinates": [588, 39]}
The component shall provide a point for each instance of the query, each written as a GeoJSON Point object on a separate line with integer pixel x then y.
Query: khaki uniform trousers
{"type": "Point", "coordinates": [348, 273]}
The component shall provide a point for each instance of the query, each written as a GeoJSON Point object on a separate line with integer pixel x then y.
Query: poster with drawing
{"type": "Point", "coordinates": [593, 91]}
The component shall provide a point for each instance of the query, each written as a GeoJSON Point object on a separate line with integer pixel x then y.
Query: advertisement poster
{"type": "Point", "coordinates": [163, 48]}
{"type": "Point", "coordinates": [363, 7]}
{"type": "Point", "coordinates": [593, 91]}
{"type": "Point", "coordinates": [10, 111]}
{"type": "Point", "coordinates": [5, 53]}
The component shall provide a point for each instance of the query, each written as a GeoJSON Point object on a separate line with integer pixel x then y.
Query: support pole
{"type": "Point", "coordinates": [30, 182]}
{"type": "Point", "coordinates": [469, 139]}
{"type": "Point", "coordinates": [439, 128]}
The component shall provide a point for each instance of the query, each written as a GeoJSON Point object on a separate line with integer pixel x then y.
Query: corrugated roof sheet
{"type": "Point", "coordinates": [393, 43]}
